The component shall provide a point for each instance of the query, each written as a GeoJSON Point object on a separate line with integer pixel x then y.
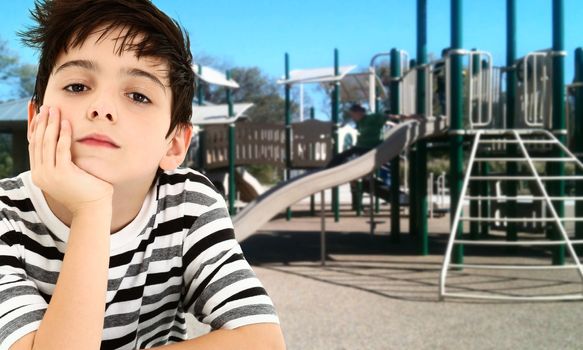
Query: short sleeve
{"type": "Point", "coordinates": [220, 288]}
{"type": "Point", "coordinates": [21, 305]}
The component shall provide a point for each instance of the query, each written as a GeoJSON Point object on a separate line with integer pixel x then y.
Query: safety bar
{"type": "Point", "coordinates": [482, 81]}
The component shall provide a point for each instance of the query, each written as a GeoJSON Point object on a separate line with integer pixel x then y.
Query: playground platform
{"type": "Point", "coordinates": [375, 294]}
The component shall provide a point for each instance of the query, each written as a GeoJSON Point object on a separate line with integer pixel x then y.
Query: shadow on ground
{"type": "Point", "coordinates": [377, 265]}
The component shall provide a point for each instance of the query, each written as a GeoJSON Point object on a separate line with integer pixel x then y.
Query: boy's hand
{"type": "Point", "coordinates": [53, 170]}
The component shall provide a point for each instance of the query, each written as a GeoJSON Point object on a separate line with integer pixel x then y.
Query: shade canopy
{"type": "Point", "coordinates": [355, 87]}
{"type": "Point", "coordinates": [315, 75]}
{"type": "Point", "coordinates": [213, 76]}
{"type": "Point", "coordinates": [218, 114]}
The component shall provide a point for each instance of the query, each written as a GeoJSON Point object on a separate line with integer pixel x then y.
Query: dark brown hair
{"type": "Point", "coordinates": [147, 31]}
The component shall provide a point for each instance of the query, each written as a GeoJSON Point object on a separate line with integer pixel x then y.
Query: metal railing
{"type": "Point", "coordinates": [480, 86]}
{"type": "Point", "coordinates": [517, 137]}
{"type": "Point", "coordinates": [535, 88]}
{"type": "Point", "coordinates": [408, 97]}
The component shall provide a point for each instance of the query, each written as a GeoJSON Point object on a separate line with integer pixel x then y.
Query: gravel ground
{"type": "Point", "coordinates": [374, 294]}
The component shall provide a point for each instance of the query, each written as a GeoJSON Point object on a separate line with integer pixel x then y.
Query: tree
{"type": "Point", "coordinates": [17, 80]}
{"type": "Point", "coordinates": [14, 75]}
{"type": "Point", "coordinates": [26, 76]}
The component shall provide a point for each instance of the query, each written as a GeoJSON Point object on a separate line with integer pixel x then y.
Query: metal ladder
{"type": "Point", "coordinates": [523, 139]}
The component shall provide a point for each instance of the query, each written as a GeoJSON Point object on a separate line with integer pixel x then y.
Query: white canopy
{"type": "Point", "coordinates": [217, 114]}
{"type": "Point", "coordinates": [355, 87]}
{"type": "Point", "coordinates": [315, 75]}
{"type": "Point", "coordinates": [213, 76]}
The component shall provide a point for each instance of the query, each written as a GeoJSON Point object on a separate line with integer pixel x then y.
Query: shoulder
{"type": "Point", "coordinates": [378, 117]}
{"type": "Point", "coordinates": [15, 202]}
{"type": "Point", "coordinates": [188, 184]}
{"type": "Point", "coordinates": [14, 193]}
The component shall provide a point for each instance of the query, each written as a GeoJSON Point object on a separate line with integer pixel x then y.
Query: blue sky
{"type": "Point", "coordinates": [259, 32]}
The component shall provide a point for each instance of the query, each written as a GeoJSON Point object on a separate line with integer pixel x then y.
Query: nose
{"type": "Point", "coordinates": [102, 109]}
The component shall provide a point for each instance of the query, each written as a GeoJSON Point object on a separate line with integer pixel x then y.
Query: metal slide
{"type": "Point", "coordinates": [274, 201]}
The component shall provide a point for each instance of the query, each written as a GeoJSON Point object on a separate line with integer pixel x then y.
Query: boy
{"type": "Point", "coordinates": [105, 243]}
{"type": "Point", "coordinates": [369, 127]}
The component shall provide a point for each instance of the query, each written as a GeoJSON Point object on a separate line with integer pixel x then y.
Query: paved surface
{"type": "Point", "coordinates": [374, 294]}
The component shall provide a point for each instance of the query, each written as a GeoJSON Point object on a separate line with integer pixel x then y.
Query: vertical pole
{"type": "Point", "coordinates": [486, 205]}
{"type": "Point", "coordinates": [358, 197]}
{"type": "Point", "coordinates": [287, 129]}
{"type": "Point", "coordinates": [199, 90]}
{"type": "Point", "coordinates": [322, 228]}
{"type": "Point", "coordinates": [371, 189]}
{"type": "Point", "coordinates": [312, 199]}
{"type": "Point", "coordinates": [475, 185]}
{"type": "Point", "coordinates": [377, 173]}
{"type": "Point", "coordinates": [579, 140]}
{"type": "Point", "coordinates": [411, 178]}
{"type": "Point", "coordinates": [558, 168]}
{"type": "Point", "coordinates": [232, 189]}
{"type": "Point", "coordinates": [421, 167]}
{"type": "Point", "coordinates": [335, 118]}
{"type": "Point", "coordinates": [395, 181]}
{"type": "Point", "coordinates": [511, 167]}
{"type": "Point", "coordinates": [456, 126]}
{"type": "Point", "coordinates": [201, 134]}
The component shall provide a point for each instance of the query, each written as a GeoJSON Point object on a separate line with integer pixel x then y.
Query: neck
{"type": "Point", "coordinates": [127, 202]}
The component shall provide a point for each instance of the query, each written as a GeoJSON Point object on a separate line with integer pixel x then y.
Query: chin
{"type": "Point", "coordinates": [93, 167]}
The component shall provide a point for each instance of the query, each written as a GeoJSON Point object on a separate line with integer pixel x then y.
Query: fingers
{"type": "Point", "coordinates": [38, 129]}
{"type": "Point", "coordinates": [63, 149]}
{"type": "Point", "coordinates": [50, 137]}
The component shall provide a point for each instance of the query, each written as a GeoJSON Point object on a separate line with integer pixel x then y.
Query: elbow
{"type": "Point", "coordinates": [264, 336]}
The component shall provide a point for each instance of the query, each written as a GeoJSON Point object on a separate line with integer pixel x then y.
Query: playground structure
{"type": "Point", "coordinates": [512, 117]}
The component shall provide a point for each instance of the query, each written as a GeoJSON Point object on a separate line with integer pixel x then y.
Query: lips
{"type": "Point", "coordinates": [98, 140]}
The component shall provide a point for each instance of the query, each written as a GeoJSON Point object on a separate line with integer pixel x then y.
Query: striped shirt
{"type": "Point", "coordinates": [178, 255]}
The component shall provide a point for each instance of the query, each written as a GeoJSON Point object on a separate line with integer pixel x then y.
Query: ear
{"type": "Point", "coordinates": [177, 147]}
{"type": "Point", "coordinates": [31, 113]}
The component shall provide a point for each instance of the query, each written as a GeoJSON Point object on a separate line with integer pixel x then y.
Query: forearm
{"type": "Point", "coordinates": [255, 337]}
{"type": "Point", "coordinates": [74, 318]}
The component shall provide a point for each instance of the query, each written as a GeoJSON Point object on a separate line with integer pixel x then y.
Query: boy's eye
{"type": "Point", "coordinates": [138, 98]}
{"type": "Point", "coordinates": [76, 88]}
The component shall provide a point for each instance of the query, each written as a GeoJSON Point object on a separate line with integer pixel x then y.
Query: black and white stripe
{"type": "Point", "coordinates": [179, 255]}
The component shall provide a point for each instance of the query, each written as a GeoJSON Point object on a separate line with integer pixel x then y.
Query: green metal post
{"type": "Point", "coordinates": [358, 197]}
{"type": "Point", "coordinates": [558, 113]}
{"type": "Point", "coordinates": [201, 135]}
{"type": "Point", "coordinates": [395, 175]}
{"type": "Point", "coordinates": [199, 90]}
{"type": "Point", "coordinates": [377, 198]}
{"type": "Point", "coordinates": [511, 167]}
{"type": "Point", "coordinates": [579, 141]}
{"type": "Point", "coordinates": [412, 188]}
{"type": "Point", "coordinates": [413, 207]}
{"type": "Point", "coordinates": [421, 167]}
{"type": "Point", "coordinates": [456, 118]}
{"type": "Point", "coordinates": [232, 188]}
{"type": "Point", "coordinates": [335, 120]}
{"type": "Point", "coordinates": [312, 197]}
{"type": "Point", "coordinates": [288, 211]}
{"type": "Point", "coordinates": [485, 190]}
{"type": "Point", "coordinates": [475, 185]}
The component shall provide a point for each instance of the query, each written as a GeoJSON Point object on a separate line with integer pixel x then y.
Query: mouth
{"type": "Point", "coordinates": [98, 140]}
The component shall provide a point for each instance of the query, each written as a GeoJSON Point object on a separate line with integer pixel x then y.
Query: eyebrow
{"type": "Point", "coordinates": [132, 72]}
{"type": "Point", "coordinates": [138, 73]}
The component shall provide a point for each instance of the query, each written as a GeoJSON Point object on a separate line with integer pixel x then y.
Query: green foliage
{"type": "Point", "coordinates": [265, 174]}
{"type": "Point", "coordinates": [6, 163]}
{"type": "Point", "coordinates": [20, 77]}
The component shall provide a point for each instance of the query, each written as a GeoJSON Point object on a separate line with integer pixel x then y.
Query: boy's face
{"type": "Point", "coordinates": [119, 108]}
{"type": "Point", "coordinates": [356, 116]}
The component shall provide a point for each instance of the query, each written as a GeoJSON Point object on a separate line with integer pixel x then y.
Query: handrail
{"type": "Point", "coordinates": [550, 205]}
{"type": "Point", "coordinates": [458, 213]}
{"type": "Point", "coordinates": [474, 77]}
